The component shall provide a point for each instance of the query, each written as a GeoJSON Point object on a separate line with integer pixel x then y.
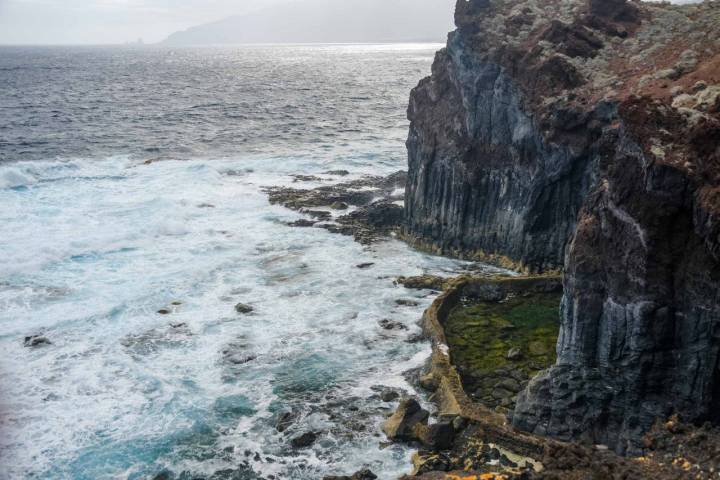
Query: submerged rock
{"type": "Point", "coordinates": [304, 440]}
{"type": "Point", "coordinates": [243, 308]}
{"type": "Point", "coordinates": [423, 282]}
{"type": "Point", "coordinates": [404, 302]}
{"type": "Point", "coordinates": [376, 216]}
{"type": "Point", "coordinates": [387, 324]}
{"type": "Point", "coordinates": [364, 474]}
{"type": "Point", "coordinates": [547, 137]}
{"type": "Point", "coordinates": [389, 395]}
{"type": "Point", "coordinates": [339, 173]}
{"type": "Point", "coordinates": [36, 341]}
{"type": "Point", "coordinates": [285, 420]}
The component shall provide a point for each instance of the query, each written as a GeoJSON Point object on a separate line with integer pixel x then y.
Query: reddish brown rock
{"type": "Point", "coordinates": [585, 136]}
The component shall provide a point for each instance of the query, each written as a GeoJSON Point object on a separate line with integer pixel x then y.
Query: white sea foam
{"type": "Point", "coordinates": [92, 250]}
{"type": "Point", "coordinates": [14, 178]}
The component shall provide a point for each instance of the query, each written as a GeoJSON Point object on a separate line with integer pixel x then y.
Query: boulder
{"type": "Point", "coordinates": [363, 474]}
{"type": "Point", "coordinates": [438, 436]}
{"type": "Point", "coordinates": [424, 462]}
{"type": "Point", "coordinates": [243, 308]}
{"type": "Point", "coordinates": [389, 395]}
{"type": "Point", "coordinates": [36, 341]}
{"type": "Point", "coordinates": [428, 382]}
{"type": "Point", "coordinates": [285, 420]}
{"type": "Point", "coordinates": [403, 424]}
{"type": "Point", "coordinates": [304, 440]}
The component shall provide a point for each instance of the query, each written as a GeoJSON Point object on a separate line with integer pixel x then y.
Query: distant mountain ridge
{"type": "Point", "coordinates": [329, 21]}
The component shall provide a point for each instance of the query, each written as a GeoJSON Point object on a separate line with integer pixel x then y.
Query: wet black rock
{"type": "Point", "coordinates": [363, 474]}
{"type": "Point", "coordinates": [403, 302]}
{"type": "Point", "coordinates": [164, 311]}
{"type": "Point", "coordinates": [423, 282]}
{"type": "Point", "coordinates": [522, 155]}
{"type": "Point", "coordinates": [363, 266]}
{"type": "Point", "coordinates": [389, 395]}
{"type": "Point", "coordinates": [304, 440]}
{"type": "Point", "coordinates": [428, 382]}
{"type": "Point", "coordinates": [285, 420]}
{"type": "Point", "coordinates": [387, 324]}
{"type": "Point", "coordinates": [303, 222]}
{"type": "Point", "coordinates": [243, 308]}
{"type": "Point", "coordinates": [320, 215]}
{"type": "Point", "coordinates": [36, 341]}
{"type": "Point", "coordinates": [164, 475]}
{"type": "Point", "coordinates": [306, 178]}
{"type": "Point", "coordinates": [377, 215]}
{"type": "Point", "coordinates": [438, 436]}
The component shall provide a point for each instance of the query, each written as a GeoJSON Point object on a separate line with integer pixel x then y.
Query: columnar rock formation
{"type": "Point", "coordinates": [586, 136]}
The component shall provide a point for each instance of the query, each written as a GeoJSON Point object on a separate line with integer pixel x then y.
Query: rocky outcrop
{"type": "Point", "coordinates": [585, 135]}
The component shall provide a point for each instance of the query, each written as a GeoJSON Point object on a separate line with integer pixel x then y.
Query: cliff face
{"type": "Point", "coordinates": [586, 135]}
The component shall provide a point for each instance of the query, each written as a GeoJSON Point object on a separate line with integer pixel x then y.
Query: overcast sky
{"type": "Point", "coordinates": [110, 21]}
{"type": "Point", "coordinates": [113, 21]}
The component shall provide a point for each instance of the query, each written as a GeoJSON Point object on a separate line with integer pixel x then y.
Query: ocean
{"type": "Point", "coordinates": [131, 182]}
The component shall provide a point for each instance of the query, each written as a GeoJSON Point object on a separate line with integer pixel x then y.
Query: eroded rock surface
{"type": "Point", "coordinates": [376, 203]}
{"type": "Point", "coordinates": [585, 135]}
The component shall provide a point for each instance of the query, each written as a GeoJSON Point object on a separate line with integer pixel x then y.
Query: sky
{"type": "Point", "coordinates": [110, 21]}
{"type": "Point", "coordinates": [50, 22]}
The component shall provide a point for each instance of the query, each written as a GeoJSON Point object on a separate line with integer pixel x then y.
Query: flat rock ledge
{"type": "Point", "coordinates": [486, 445]}
{"type": "Point", "coordinates": [368, 209]}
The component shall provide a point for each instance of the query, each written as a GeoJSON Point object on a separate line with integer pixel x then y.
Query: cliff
{"type": "Point", "coordinates": [585, 136]}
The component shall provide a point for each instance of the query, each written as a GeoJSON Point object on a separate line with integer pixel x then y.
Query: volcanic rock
{"type": "Point", "coordinates": [548, 138]}
{"type": "Point", "coordinates": [404, 424]}
{"type": "Point", "coordinates": [243, 308]}
{"type": "Point", "coordinates": [304, 440]}
{"type": "Point", "coordinates": [36, 341]}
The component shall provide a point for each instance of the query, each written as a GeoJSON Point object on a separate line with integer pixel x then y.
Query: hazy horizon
{"type": "Point", "coordinates": [112, 22]}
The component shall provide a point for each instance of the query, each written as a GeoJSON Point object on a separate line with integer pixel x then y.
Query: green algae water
{"type": "Point", "coordinates": [491, 341]}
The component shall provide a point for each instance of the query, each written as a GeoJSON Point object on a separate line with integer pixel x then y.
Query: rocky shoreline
{"type": "Point", "coordinates": [368, 208]}
{"type": "Point", "coordinates": [488, 444]}
{"type": "Point", "coordinates": [576, 141]}
{"type": "Point", "coordinates": [469, 435]}
{"type": "Point", "coordinates": [582, 136]}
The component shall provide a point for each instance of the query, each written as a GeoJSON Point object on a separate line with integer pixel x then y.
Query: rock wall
{"type": "Point", "coordinates": [483, 181]}
{"type": "Point", "coordinates": [586, 134]}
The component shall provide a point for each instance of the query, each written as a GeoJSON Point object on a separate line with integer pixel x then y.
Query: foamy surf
{"type": "Point", "coordinates": [93, 250]}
